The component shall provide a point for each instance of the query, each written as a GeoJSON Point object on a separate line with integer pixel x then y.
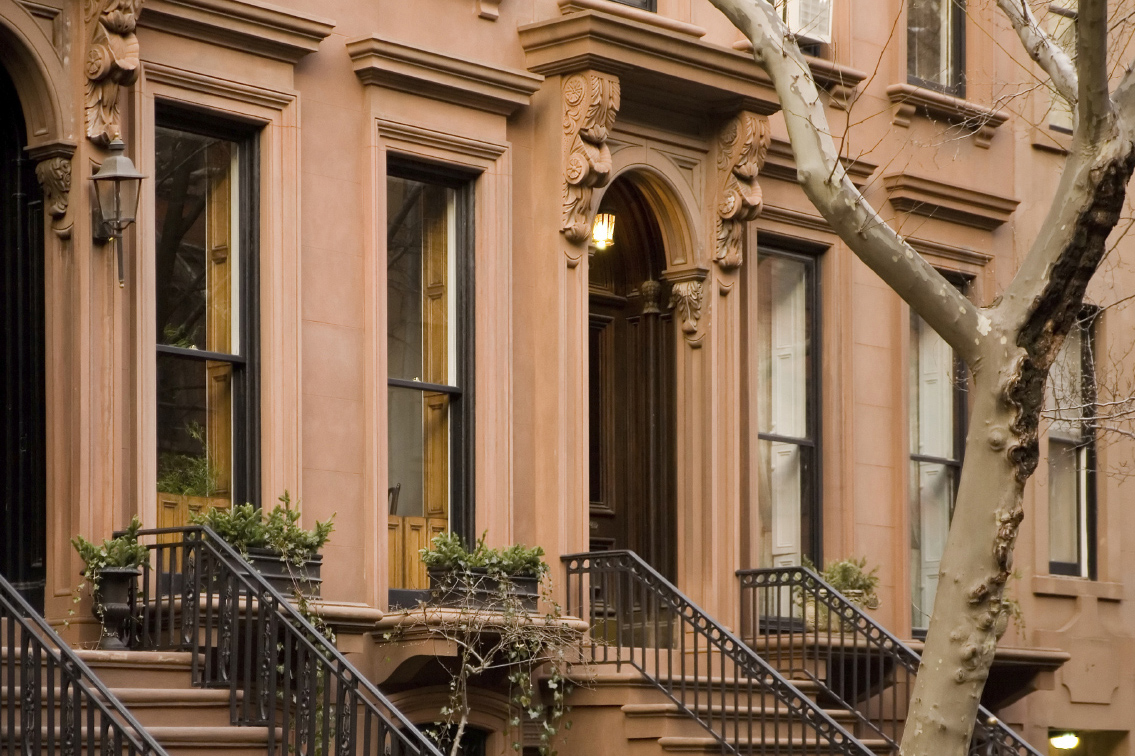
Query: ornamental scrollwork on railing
{"type": "Point", "coordinates": [591, 102]}
{"type": "Point", "coordinates": [112, 62]}
{"type": "Point", "coordinates": [741, 150]}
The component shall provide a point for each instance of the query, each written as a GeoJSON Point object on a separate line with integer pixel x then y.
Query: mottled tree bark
{"type": "Point", "coordinates": [1008, 347]}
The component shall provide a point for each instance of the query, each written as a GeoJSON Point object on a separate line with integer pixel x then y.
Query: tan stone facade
{"type": "Point", "coordinates": [541, 114]}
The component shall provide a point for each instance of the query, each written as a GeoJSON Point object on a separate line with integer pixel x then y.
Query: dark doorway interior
{"type": "Point", "coordinates": [23, 483]}
{"type": "Point", "coordinates": [631, 387]}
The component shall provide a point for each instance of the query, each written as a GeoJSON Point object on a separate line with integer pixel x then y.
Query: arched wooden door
{"type": "Point", "coordinates": [631, 387]}
{"type": "Point", "coordinates": [23, 484]}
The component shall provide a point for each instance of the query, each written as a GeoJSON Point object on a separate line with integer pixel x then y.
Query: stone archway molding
{"type": "Point", "coordinates": [42, 83]}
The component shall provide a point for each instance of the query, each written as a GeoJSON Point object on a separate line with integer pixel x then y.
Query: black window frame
{"type": "Point", "coordinates": [1086, 321]}
{"type": "Point", "coordinates": [246, 430]}
{"type": "Point", "coordinates": [957, 88]}
{"type": "Point", "coordinates": [811, 510]}
{"type": "Point", "coordinates": [462, 453]}
{"type": "Point", "coordinates": [646, 5]}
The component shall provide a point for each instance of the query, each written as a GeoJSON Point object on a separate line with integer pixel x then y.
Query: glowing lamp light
{"type": "Point", "coordinates": [1065, 741]}
{"type": "Point", "coordinates": [603, 232]}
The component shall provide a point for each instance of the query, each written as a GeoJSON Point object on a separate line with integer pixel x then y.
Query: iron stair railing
{"type": "Point", "coordinates": [640, 619]}
{"type": "Point", "coordinates": [52, 702]}
{"type": "Point", "coordinates": [199, 595]}
{"type": "Point", "coordinates": [802, 625]}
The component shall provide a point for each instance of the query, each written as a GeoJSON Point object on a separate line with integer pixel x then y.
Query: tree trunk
{"type": "Point", "coordinates": [968, 615]}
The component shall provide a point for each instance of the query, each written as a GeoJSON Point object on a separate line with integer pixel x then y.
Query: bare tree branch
{"type": "Point", "coordinates": [1042, 48]}
{"type": "Point", "coordinates": [825, 181]}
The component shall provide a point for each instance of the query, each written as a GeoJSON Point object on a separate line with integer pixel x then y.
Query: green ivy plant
{"type": "Point", "coordinates": [447, 552]}
{"type": "Point", "coordinates": [245, 527]}
{"type": "Point", "coordinates": [851, 575]}
{"type": "Point", "coordinates": [499, 635]}
{"type": "Point", "coordinates": [120, 551]}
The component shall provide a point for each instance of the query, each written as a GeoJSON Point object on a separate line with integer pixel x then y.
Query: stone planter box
{"type": "Point", "coordinates": [114, 601]}
{"type": "Point", "coordinates": [477, 589]}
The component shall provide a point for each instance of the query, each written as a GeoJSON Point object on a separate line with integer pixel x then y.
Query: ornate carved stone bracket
{"type": "Point", "coordinates": [742, 146]}
{"type": "Point", "coordinates": [591, 102]}
{"type": "Point", "coordinates": [686, 300]}
{"type": "Point", "coordinates": [112, 62]}
{"type": "Point", "coordinates": [54, 175]}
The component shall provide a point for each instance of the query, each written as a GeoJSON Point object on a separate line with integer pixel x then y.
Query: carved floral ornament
{"type": "Point", "coordinates": [112, 62]}
{"type": "Point", "coordinates": [742, 147]}
{"type": "Point", "coordinates": [591, 102]}
{"type": "Point", "coordinates": [54, 176]}
{"type": "Point", "coordinates": [686, 298]}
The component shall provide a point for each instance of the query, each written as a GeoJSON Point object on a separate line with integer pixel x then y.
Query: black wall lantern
{"type": "Point", "coordinates": [116, 198]}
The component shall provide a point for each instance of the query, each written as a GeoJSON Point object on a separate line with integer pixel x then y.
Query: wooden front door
{"type": "Point", "coordinates": [631, 390]}
{"type": "Point", "coordinates": [23, 445]}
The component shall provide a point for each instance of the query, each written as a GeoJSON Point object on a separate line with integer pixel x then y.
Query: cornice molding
{"type": "Point", "coordinates": [393, 65]}
{"type": "Point", "coordinates": [781, 164]}
{"type": "Point", "coordinates": [948, 252]}
{"type": "Point", "coordinates": [948, 202]}
{"type": "Point", "coordinates": [271, 99]}
{"type": "Point", "coordinates": [838, 80]}
{"type": "Point", "coordinates": [247, 25]}
{"type": "Point", "coordinates": [635, 14]}
{"type": "Point", "coordinates": [417, 135]}
{"type": "Point", "coordinates": [909, 100]}
{"type": "Point", "coordinates": [652, 63]}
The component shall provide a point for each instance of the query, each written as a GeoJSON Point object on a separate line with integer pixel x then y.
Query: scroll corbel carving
{"type": "Point", "coordinates": [742, 147]}
{"type": "Point", "coordinates": [686, 299]}
{"type": "Point", "coordinates": [591, 102]}
{"type": "Point", "coordinates": [112, 62]}
{"type": "Point", "coordinates": [54, 175]}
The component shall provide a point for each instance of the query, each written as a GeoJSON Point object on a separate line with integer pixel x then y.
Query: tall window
{"type": "Point", "coordinates": [787, 404]}
{"type": "Point", "coordinates": [206, 272]}
{"type": "Point", "coordinates": [1071, 458]}
{"type": "Point", "coordinates": [935, 45]}
{"type": "Point", "coordinates": [429, 271]}
{"type": "Point", "coordinates": [1060, 22]}
{"type": "Point", "coordinates": [937, 442]}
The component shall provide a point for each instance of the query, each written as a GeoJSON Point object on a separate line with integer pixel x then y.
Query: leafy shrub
{"type": "Point", "coordinates": [121, 551]}
{"type": "Point", "coordinates": [188, 474]}
{"type": "Point", "coordinates": [244, 527]}
{"type": "Point", "coordinates": [851, 575]}
{"type": "Point", "coordinates": [447, 552]}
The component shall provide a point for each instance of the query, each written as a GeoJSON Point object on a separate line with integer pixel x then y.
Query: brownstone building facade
{"type": "Point", "coordinates": [364, 270]}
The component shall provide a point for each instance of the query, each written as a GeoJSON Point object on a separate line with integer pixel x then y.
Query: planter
{"type": "Point", "coordinates": [478, 590]}
{"type": "Point", "coordinates": [819, 618]}
{"type": "Point", "coordinates": [113, 607]}
{"type": "Point", "coordinates": [286, 576]}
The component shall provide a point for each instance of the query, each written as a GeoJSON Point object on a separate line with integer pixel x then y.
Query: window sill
{"type": "Point", "coordinates": [1073, 587]}
{"type": "Point", "coordinates": [910, 100]}
{"type": "Point", "coordinates": [635, 14]}
{"type": "Point", "coordinates": [838, 80]}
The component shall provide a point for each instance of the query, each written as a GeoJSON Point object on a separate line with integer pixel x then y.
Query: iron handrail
{"type": "Point", "coordinates": [50, 676]}
{"type": "Point", "coordinates": [749, 707]}
{"type": "Point", "coordinates": [200, 595]}
{"type": "Point", "coordinates": [853, 655]}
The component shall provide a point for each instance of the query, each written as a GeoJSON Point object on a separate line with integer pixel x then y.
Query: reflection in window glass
{"type": "Point", "coordinates": [936, 401]}
{"type": "Point", "coordinates": [787, 471]}
{"type": "Point", "coordinates": [422, 338]}
{"type": "Point", "coordinates": [1071, 477]}
{"type": "Point", "coordinates": [197, 272]}
{"type": "Point", "coordinates": [934, 29]}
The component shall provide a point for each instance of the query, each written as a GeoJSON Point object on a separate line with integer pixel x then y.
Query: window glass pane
{"type": "Point", "coordinates": [197, 258]}
{"type": "Point", "coordinates": [786, 480]}
{"type": "Point", "coordinates": [929, 42]}
{"type": "Point", "coordinates": [783, 348]}
{"type": "Point", "coordinates": [932, 393]}
{"type": "Point", "coordinates": [195, 427]}
{"type": "Point", "coordinates": [932, 497]}
{"type": "Point", "coordinates": [421, 300]}
{"type": "Point", "coordinates": [1063, 502]}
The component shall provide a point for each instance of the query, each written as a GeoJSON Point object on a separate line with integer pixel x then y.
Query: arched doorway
{"type": "Point", "coordinates": [631, 386]}
{"type": "Point", "coordinates": [22, 398]}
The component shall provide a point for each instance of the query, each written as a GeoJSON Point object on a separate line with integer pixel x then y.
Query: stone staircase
{"type": "Point", "coordinates": [638, 719]}
{"type": "Point", "coordinates": [154, 687]}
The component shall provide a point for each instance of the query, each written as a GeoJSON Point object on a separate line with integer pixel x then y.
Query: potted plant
{"type": "Point", "coordinates": [276, 545]}
{"type": "Point", "coordinates": [111, 570]}
{"type": "Point", "coordinates": [458, 575]}
{"type": "Point", "coordinates": [852, 579]}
